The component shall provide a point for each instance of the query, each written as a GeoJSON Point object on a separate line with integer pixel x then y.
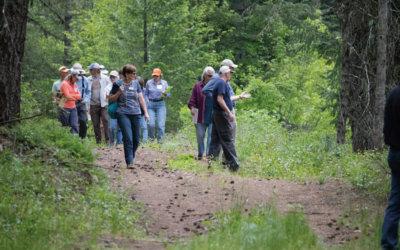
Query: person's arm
{"type": "Point", "coordinates": [222, 104]}
{"type": "Point", "coordinates": [143, 105]}
{"type": "Point", "coordinates": [193, 99]}
{"type": "Point", "coordinates": [243, 95]}
{"type": "Point", "coordinates": [87, 90]}
{"type": "Point", "coordinates": [165, 93]}
{"type": "Point", "coordinates": [116, 92]}
{"type": "Point", "coordinates": [69, 95]}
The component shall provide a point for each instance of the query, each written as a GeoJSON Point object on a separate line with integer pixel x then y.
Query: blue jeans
{"type": "Point", "coordinates": [70, 119]}
{"type": "Point", "coordinates": [130, 127]}
{"type": "Point", "coordinates": [157, 111]}
{"type": "Point", "coordinates": [143, 126]}
{"type": "Point", "coordinates": [200, 134]}
{"type": "Point", "coordinates": [114, 129]}
{"type": "Point", "coordinates": [390, 227]}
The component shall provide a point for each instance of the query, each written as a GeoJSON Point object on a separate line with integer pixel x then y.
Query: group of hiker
{"type": "Point", "coordinates": [141, 110]}
{"type": "Point", "coordinates": [139, 107]}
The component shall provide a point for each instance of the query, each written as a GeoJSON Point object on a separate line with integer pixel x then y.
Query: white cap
{"type": "Point", "coordinates": [114, 73]}
{"type": "Point", "coordinates": [229, 63]}
{"type": "Point", "coordinates": [94, 66]}
{"type": "Point", "coordinates": [74, 72]}
{"type": "Point", "coordinates": [78, 66]}
{"type": "Point", "coordinates": [224, 70]}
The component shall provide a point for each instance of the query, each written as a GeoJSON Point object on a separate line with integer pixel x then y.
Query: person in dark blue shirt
{"type": "Point", "coordinates": [222, 121]}
{"type": "Point", "coordinates": [391, 131]}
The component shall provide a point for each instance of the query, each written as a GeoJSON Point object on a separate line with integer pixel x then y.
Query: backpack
{"type": "Point", "coordinates": [112, 108]}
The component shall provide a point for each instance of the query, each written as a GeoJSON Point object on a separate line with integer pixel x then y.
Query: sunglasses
{"type": "Point", "coordinates": [133, 73]}
{"type": "Point", "coordinates": [113, 77]}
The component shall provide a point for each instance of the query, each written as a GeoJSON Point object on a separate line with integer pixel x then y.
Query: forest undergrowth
{"type": "Point", "coordinates": [52, 196]}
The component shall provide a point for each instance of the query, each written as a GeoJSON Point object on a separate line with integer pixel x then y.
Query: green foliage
{"type": "Point", "coordinates": [184, 161]}
{"type": "Point", "coordinates": [295, 91]}
{"type": "Point", "coordinates": [275, 152]}
{"type": "Point", "coordinates": [53, 196]}
{"type": "Point", "coordinates": [261, 228]}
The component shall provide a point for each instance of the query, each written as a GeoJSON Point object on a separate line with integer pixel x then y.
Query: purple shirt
{"type": "Point", "coordinates": [197, 100]}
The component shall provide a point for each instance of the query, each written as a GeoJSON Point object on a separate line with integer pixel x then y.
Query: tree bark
{"type": "Point", "coordinates": [67, 41]}
{"type": "Point", "coordinates": [14, 15]}
{"type": "Point", "coordinates": [367, 68]}
{"type": "Point", "coordinates": [381, 66]}
{"type": "Point", "coordinates": [145, 47]}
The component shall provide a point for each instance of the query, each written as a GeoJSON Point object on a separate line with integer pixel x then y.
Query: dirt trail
{"type": "Point", "coordinates": [177, 202]}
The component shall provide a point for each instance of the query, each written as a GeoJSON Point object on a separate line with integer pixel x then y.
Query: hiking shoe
{"type": "Point", "coordinates": [130, 166]}
{"type": "Point", "coordinates": [199, 157]}
{"type": "Point", "coordinates": [234, 168]}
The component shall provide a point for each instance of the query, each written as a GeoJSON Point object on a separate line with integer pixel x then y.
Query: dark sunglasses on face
{"type": "Point", "coordinates": [210, 75]}
{"type": "Point", "coordinates": [113, 77]}
{"type": "Point", "coordinates": [133, 73]}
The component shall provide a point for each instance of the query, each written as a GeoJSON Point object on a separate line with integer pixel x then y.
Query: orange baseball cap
{"type": "Point", "coordinates": [157, 72]}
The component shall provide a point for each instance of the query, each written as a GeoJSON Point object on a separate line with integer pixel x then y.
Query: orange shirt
{"type": "Point", "coordinates": [71, 91]}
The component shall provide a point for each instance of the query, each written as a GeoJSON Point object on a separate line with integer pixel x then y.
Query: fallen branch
{"type": "Point", "coordinates": [20, 119]}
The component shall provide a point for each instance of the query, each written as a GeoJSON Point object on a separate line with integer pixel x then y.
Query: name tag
{"type": "Point", "coordinates": [159, 86]}
{"type": "Point", "coordinates": [130, 88]}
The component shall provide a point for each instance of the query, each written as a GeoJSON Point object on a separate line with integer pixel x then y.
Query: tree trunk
{"type": "Point", "coordinates": [67, 41]}
{"type": "Point", "coordinates": [365, 67]}
{"type": "Point", "coordinates": [381, 65]}
{"type": "Point", "coordinates": [145, 48]}
{"type": "Point", "coordinates": [13, 20]}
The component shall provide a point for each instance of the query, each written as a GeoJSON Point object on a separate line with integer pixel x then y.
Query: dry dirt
{"type": "Point", "coordinates": [177, 201]}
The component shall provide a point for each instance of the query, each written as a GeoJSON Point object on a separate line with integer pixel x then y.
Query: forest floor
{"type": "Point", "coordinates": [176, 202]}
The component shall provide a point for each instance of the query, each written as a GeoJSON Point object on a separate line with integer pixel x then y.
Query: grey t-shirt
{"type": "Point", "coordinates": [95, 97]}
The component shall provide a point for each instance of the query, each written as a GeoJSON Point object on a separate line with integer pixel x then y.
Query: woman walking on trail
{"type": "Point", "coordinates": [130, 98]}
{"type": "Point", "coordinates": [156, 91]}
{"type": "Point", "coordinates": [70, 93]}
{"type": "Point", "coordinates": [201, 110]}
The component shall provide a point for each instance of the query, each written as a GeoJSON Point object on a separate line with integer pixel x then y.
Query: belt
{"type": "Point", "coordinates": [156, 100]}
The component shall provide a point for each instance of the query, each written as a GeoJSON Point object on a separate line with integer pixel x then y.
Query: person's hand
{"type": "Point", "coordinates": [121, 88]}
{"type": "Point", "coordinates": [83, 101]}
{"type": "Point", "coordinates": [164, 93]}
{"type": "Point", "coordinates": [244, 95]}
{"type": "Point", "coordinates": [192, 112]}
{"type": "Point", "coordinates": [231, 117]}
{"type": "Point", "coordinates": [147, 117]}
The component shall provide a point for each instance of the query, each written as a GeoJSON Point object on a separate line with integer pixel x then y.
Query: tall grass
{"type": "Point", "coordinates": [52, 196]}
{"type": "Point", "coordinates": [266, 149]}
{"type": "Point", "coordinates": [262, 228]}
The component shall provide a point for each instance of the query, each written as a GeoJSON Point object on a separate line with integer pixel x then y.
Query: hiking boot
{"type": "Point", "coordinates": [234, 168]}
{"type": "Point", "coordinates": [130, 166]}
{"type": "Point", "coordinates": [199, 157]}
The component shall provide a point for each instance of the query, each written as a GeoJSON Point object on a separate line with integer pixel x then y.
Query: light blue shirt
{"type": "Point", "coordinates": [87, 92]}
{"type": "Point", "coordinates": [154, 90]}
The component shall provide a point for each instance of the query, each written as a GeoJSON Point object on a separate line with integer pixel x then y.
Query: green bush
{"type": "Point", "coordinates": [52, 194]}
